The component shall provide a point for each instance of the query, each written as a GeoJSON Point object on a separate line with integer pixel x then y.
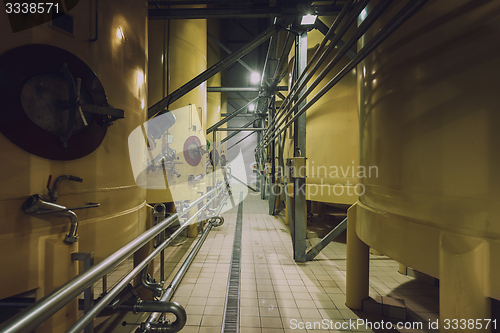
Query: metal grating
{"type": "Point", "coordinates": [232, 309]}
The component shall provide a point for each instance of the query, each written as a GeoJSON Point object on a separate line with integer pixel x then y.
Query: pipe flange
{"type": "Point", "coordinates": [71, 239]}
{"type": "Point", "coordinates": [217, 221]}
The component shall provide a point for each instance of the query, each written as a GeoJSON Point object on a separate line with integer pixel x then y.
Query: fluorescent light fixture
{"type": "Point", "coordinates": [308, 19]}
{"type": "Point", "coordinates": [254, 78]}
{"type": "Point", "coordinates": [251, 107]}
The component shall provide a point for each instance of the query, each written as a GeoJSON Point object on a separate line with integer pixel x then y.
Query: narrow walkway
{"type": "Point", "coordinates": [277, 294]}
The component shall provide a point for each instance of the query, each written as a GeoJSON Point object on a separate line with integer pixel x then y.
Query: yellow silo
{"type": "Point", "coordinates": [429, 119]}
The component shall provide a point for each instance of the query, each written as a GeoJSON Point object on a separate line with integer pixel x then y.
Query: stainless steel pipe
{"type": "Point", "coordinates": [36, 314]}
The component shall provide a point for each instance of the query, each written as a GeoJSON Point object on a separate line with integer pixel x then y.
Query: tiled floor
{"type": "Point", "coordinates": [276, 293]}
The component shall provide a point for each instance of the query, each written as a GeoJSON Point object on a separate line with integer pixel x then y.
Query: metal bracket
{"type": "Point", "coordinates": [88, 294]}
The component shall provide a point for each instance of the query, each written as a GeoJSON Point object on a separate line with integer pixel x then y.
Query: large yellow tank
{"type": "Point", "coordinates": [216, 101]}
{"type": "Point", "coordinates": [331, 134]}
{"type": "Point", "coordinates": [429, 123]}
{"type": "Point", "coordinates": [178, 53]}
{"type": "Point", "coordinates": [32, 252]}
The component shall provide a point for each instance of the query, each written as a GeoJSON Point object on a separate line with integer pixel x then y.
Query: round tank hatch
{"type": "Point", "coordinates": [192, 150]}
{"type": "Point", "coordinates": [214, 160]}
{"type": "Point", "coordinates": [46, 92]}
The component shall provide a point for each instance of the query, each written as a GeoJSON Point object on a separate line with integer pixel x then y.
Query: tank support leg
{"type": "Point", "coordinates": [463, 283]}
{"type": "Point", "coordinates": [358, 264]}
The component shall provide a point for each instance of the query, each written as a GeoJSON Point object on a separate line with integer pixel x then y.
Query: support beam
{"type": "Point", "coordinates": [245, 137]}
{"type": "Point", "coordinates": [280, 95]}
{"type": "Point", "coordinates": [232, 135]}
{"type": "Point", "coordinates": [232, 89]}
{"type": "Point", "coordinates": [237, 92]}
{"type": "Point", "coordinates": [231, 116]}
{"type": "Point", "coordinates": [312, 253]}
{"type": "Point", "coordinates": [299, 141]}
{"type": "Point", "coordinates": [241, 89]}
{"type": "Point", "coordinates": [323, 28]}
{"type": "Point", "coordinates": [235, 12]}
{"type": "Point", "coordinates": [228, 51]}
{"type": "Point", "coordinates": [239, 129]}
{"type": "Point", "coordinates": [273, 187]}
{"type": "Point", "coordinates": [172, 97]}
{"type": "Point", "coordinates": [358, 264]}
{"type": "Point", "coordinates": [244, 114]}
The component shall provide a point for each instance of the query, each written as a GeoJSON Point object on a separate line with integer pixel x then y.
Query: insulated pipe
{"type": "Point", "coordinates": [43, 309]}
{"type": "Point", "coordinates": [148, 326]}
{"type": "Point", "coordinates": [404, 14]}
{"type": "Point", "coordinates": [105, 300]}
{"type": "Point", "coordinates": [35, 205]}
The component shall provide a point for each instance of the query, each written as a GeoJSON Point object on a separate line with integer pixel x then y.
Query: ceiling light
{"type": "Point", "coordinates": [308, 19]}
{"type": "Point", "coordinates": [251, 107]}
{"type": "Point", "coordinates": [254, 78]}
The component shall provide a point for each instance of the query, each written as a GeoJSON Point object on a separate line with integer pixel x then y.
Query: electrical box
{"type": "Point", "coordinates": [295, 167]}
{"type": "Point", "coordinates": [269, 168]}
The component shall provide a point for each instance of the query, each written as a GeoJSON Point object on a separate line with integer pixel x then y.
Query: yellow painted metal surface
{"type": "Point", "coordinates": [332, 135]}
{"type": "Point", "coordinates": [357, 264]}
{"type": "Point", "coordinates": [429, 122]}
{"type": "Point", "coordinates": [216, 101]}
{"type": "Point", "coordinates": [119, 60]}
{"type": "Point", "coordinates": [177, 53]}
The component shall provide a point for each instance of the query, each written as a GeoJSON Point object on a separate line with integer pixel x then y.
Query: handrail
{"type": "Point", "coordinates": [149, 324]}
{"type": "Point", "coordinates": [89, 316]}
{"type": "Point", "coordinates": [36, 314]}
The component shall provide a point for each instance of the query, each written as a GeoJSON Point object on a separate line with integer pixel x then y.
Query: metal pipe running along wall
{"type": "Point", "coordinates": [163, 104]}
{"type": "Point", "coordinates": [296, 84]}
{"type": "Point", "coordinates": [402, 16]}
{"type": "Point", "coordinates": [301, 83]}
{"type": "Point", "coordinates": [29, 319]}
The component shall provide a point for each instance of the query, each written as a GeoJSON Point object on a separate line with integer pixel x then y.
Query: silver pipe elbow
{"type": "Point", "coordinates": [71, 236]}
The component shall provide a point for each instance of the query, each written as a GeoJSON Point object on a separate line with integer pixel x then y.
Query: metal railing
{"type": "Point", "coordinates": [36, 314]}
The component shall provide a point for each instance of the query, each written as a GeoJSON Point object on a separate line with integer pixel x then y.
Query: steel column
{"type": "Point", "coordinates": [299, 139]}
{"type": "Point", "coordinates": [272, 177]}
{"type": "Point", "coordinates": [88, 294]}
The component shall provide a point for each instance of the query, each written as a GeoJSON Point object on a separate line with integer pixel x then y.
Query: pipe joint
{"type": "Point", "coordinates": [217, 221]}
{"type": "Point", "coordinates": [149, 284]}
{"type": "Point", "coordinates": [35, 205]}
{"type": "Point", "coordinates": [162, 325]}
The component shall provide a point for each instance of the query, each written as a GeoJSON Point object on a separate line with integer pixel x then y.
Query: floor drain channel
{"type": "Point", "coordinates": [232, 310]}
